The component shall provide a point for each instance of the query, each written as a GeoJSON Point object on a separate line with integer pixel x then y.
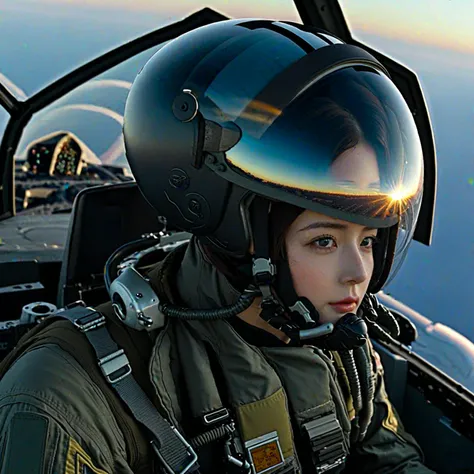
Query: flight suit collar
{"type": "Point", "coordinates": [186, 277]}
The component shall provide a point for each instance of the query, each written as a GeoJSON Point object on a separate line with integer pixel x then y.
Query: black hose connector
{"type": "Point", "coordinates": [387, 319]}
{"type": "Point", "coordinates": [380, 317]}
{"type": "Point", "coordinates": [349, 332]}
{"type": "Point", "coordinates": [378, 332]}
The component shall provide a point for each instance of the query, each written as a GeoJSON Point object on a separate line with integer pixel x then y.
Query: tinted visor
{"type": "Point", "coordinates": [346, 146]}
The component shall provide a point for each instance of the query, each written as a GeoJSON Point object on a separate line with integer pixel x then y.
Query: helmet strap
{"type": "Point", "coordinates": [263, 270]}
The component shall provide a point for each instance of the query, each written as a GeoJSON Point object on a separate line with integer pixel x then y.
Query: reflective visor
{"type": "Point", "coordinates": [347, 143]}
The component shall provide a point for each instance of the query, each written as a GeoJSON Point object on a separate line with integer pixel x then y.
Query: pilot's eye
{"type": "Point", "coordinates": [325, 242]}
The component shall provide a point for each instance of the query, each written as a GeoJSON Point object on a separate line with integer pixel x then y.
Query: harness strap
{"type": "Point", "coordinates": [62, 333]}
{"type": "Point", "coordinates": [174, 452]}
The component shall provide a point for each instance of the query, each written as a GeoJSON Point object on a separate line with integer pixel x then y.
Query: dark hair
{"type": "Point", "coordinates": [346, 112]}
{"type": "Point", "coordinates": [342, 117]}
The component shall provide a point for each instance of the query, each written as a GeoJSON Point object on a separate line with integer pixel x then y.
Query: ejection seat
{"type": "Point", "coordinates": [103, 218]}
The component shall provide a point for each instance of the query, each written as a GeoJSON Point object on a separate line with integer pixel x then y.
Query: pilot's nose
{"type": "Point", "coordinates": [355, 266]}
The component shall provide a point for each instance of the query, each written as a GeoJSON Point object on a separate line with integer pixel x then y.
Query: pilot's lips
{"type": "Point", "coordinates": [347, 305]}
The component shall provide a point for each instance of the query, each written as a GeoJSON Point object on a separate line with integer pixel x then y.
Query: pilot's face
{"type": "Point", "coordinates": [330, 259]}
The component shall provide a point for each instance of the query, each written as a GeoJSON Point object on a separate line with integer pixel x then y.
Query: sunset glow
{"type": "Point", "coordinates": [436, 22]}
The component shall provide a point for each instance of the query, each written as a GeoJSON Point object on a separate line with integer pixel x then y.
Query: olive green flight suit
{"type": "Point", "coordinates": [54, 419]}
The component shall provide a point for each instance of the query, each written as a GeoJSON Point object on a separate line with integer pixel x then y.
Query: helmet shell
{"type": "Point", "coordinates": [217, 116]}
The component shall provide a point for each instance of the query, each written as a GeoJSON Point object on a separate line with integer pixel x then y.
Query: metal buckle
{"type": "Point", "coordinates": [188, 447]}
{"type": "Point", "coordinates": [300, 308]}
{"type": "Point", "coordinates": [90, 321]}
{"type": "Point", "coordinates": [76, 303]}
{"type": "Point", "coordinates": [234, 451]}
{"type": "Point", "coordinates": [327, 442]}
{"type": "Point", "coordinates": [112, 363]}
{"type": "Point", "coordinates": [263, 271]}
{"type": "Point", "coordinates": [215, 416]}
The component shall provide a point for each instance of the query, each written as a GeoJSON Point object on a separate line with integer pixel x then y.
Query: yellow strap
{"type": "Point", "coordinates": [391, 421]}
{"type": "Point", "coordinates": [77, 458]}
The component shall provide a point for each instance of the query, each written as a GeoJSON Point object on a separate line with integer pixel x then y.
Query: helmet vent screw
{"type": "Point", "coordinates": [185, 106]}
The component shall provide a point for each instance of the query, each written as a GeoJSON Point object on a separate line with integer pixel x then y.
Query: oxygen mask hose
{"type": "Point", "coordinates": [373, 311]}
{"type": "Point", "coordinates": [348, 362]}
{"type": "Point", "coordinates": [367, 386]}
{"type": "Point", "coordinates": [245, 300]}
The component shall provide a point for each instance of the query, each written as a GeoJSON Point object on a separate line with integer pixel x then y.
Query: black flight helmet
{"type": "Point", "coordinates": [246, 108]}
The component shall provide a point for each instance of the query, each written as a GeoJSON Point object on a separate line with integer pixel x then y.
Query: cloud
{"type": "Point", "coordinates": [13, 88]}
{"type": "Point", "coordinates": [92, 108]}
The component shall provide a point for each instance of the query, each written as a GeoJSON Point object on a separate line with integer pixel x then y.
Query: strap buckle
{"type": "Point", "coordinates": [216, 416]}
{"type": "Point", "coordinates": [235, 454]}
{"type": "Point", "coordinates": [113, 366]}
{"type": "Point", "coordinates": [327, 442]}
{"type": "Point", "coordinates": [90, 321]}
{"type": "Point", "coordinates": [189, 449]}
{"type": "Point", "coordinates": [263, 271]}
{"type": "Point", "coordinates": [75, 304]}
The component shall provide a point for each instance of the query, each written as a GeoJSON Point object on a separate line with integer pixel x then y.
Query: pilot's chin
{"type": "Point", "coordinates": [330, 315]}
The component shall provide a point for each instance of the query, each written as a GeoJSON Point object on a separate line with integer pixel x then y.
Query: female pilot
{"type": "Point", "coordinates": [296, 164]}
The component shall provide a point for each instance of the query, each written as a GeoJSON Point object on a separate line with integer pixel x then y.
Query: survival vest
{"type": "Point", "coordinates": [274, 383]}
{"type": "Point", "coordinates": [262, 387]}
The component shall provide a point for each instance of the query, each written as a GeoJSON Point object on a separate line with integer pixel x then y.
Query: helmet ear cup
{"type": "Point", "coordinates": [135, 302]}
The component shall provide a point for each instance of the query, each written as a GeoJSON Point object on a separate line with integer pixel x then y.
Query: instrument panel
{"type": "Point", "coordinates": [57, 156]}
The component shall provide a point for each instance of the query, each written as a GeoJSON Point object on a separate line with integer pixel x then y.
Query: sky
{"type": "Point", "coordinates": [446, 23]}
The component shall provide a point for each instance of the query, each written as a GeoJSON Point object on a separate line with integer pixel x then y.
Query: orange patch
{"type": "Point", "coordinates": [265, 457]}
